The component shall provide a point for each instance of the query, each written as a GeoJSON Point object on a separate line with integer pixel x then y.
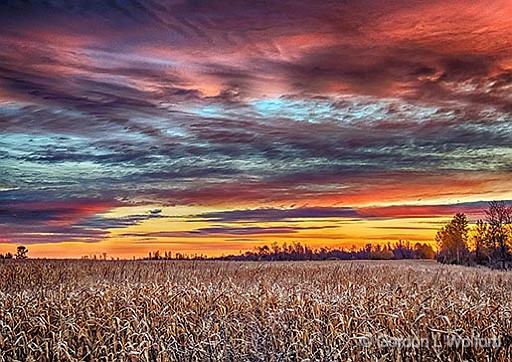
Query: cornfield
{"type": "Point", "coordinates": [81, 310]}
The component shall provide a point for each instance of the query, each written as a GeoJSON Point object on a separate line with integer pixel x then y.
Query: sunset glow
{"type": "Point", "coordinates": [213, 127]}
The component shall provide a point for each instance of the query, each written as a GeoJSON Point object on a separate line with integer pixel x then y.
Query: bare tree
{"type": "Point", "coordinates": [480, 235]}
{"type": "Point", "coordinates": [499, 220]}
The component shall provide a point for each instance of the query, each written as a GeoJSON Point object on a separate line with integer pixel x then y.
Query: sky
{"type": "Point", "coordinates": [212, 127]}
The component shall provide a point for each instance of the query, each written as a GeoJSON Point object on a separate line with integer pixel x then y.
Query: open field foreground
{"type": "Point", "coordinates": [163, 311]}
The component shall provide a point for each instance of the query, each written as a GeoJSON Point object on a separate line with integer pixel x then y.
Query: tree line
{"type": "Point", "coordinates": [21, 253]}
{"type": "Point", "coordinates": [298, 251]}
{"type": "Point", "coordinates": [488, 243]}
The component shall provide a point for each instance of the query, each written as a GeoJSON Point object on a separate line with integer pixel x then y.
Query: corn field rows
{"type": "Point", "coordinates": [211, 311]}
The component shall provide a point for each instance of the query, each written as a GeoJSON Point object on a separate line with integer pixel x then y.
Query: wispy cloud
{"type": "Point", "coordinates": [339, 106]}
{"type": "Point", "coordinates": [299, 213]}
{"type": "Point", "coordinates": [60, 221]}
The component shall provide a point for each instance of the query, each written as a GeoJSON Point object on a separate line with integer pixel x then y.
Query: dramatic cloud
{"type": "Point", "coordinates": [73, 220]}
{"type": "Point", "coordinates": [273, 111]}
{"type": "Point", "coordinates": [280, 214]}
{"type": "Point", "coordinates": [228, 231]}
{"type": "Point", "coordinates": [395, 211]}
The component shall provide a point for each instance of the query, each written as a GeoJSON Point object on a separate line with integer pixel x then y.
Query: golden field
{"type": "Point", "coordinates": [63, 310]}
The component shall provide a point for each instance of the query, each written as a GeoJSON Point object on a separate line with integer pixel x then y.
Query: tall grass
{"type": "Point", "coordinates": [210, 311]}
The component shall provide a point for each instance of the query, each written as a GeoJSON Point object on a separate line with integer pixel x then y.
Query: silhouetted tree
{"type": "Point", "coordinates": [297, 251]}
{"type": "Point", "coordinates": [491, 238]}
{"type": "Point", "coordinates": [499, 220]}
{"type": "Point", "coordinates": [480, 236]}
{"type": "Point", "coordinates": [21, 252]}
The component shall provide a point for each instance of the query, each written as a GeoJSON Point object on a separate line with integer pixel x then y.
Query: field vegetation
{"type": "Point", "coordinates": [85, 310]}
